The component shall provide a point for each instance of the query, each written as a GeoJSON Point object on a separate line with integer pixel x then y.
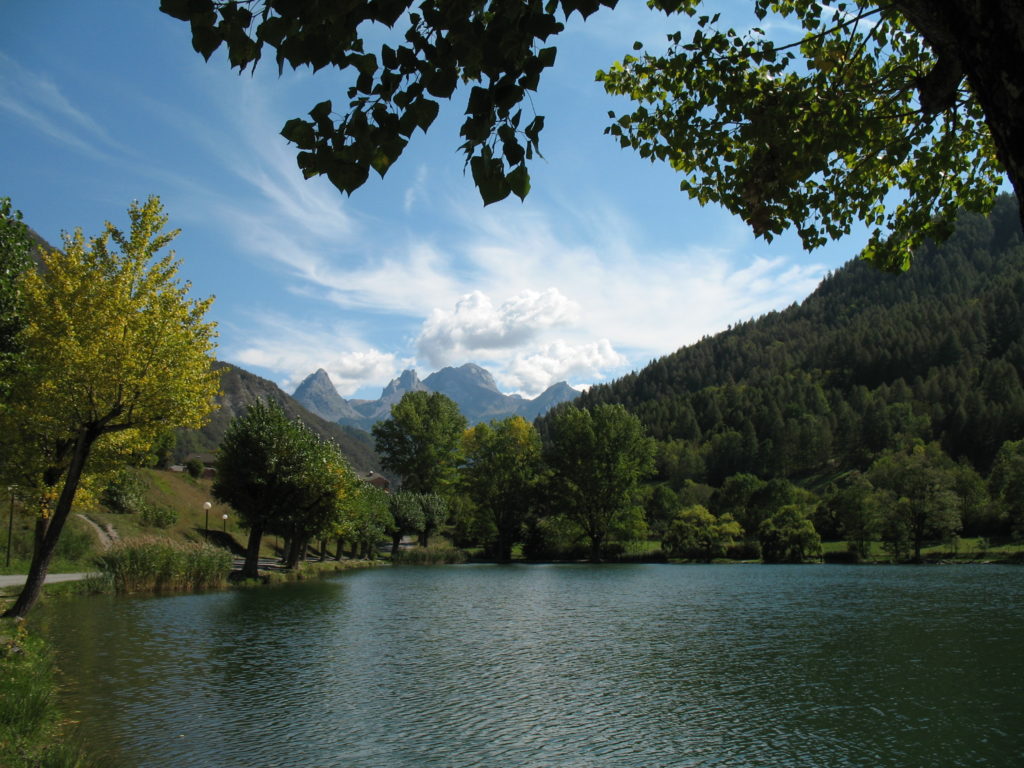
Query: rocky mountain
{"type": "Point", "coordinates": [473, 388]}
{"type": "Point", "coordinates": [239, 388]}
{"type": "Point", "coordinates": [320, 397]}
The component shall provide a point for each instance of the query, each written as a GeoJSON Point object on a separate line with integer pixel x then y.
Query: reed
{"type": "Point", "coordinates": [152, 564]}
{"type": "Point", "coordinates": [432, 555]}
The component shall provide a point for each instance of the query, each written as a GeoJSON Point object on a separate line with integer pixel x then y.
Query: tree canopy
{"type": "Point", "coordinates": [113, 352]}
{"type": "Point", "coordinates": [421, 441]}
{"type": "Point", "coordinates": [281, 478]}
{"type": "Point", "coordinates": [812, 133]}
{"type": "Point", "coordinates": [598, 457]}
{"type": "Point", "coordinates": [15, 246]}
{"type": "Point", "coordinates": [501, 473]}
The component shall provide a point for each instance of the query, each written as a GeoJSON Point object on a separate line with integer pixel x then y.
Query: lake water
{"type": "Point", "coordinates": [559, 665]}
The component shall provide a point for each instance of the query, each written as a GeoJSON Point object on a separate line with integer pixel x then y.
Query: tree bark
{"type": "Point", "coordinates": [341, 546]}
{"type": "Point", "coordinates": [986, 39]}
{"type": "Point", "coordinates": [43, 554]}
{"type": "Point", "coordinates": [296, 552]}
{"type": "Point", "coordinates": [251, 568]}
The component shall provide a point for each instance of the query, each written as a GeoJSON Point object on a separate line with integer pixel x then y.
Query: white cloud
{"type": "Point", "coordinates": [558, 361]}
{"type": "Point", "coordinates": [289, 351]}
{"type": "Point", "coordinates": [476, 327]}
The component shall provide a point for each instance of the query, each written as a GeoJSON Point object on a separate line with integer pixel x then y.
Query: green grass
{"type": "Point", "coordinates": [32, 732]}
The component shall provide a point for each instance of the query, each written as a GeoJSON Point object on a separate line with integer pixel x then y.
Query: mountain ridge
{"type": "Point", "coordinates": [471, 387]}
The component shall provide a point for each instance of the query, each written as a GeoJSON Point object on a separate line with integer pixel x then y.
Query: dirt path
{"type": "Point", "coordinates": [106, 532]}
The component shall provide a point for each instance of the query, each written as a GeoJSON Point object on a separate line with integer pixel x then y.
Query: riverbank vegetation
{"type": "Point", "coordinates": [33, 734]}
{"type": "Point", "coordinates": [153, 564]}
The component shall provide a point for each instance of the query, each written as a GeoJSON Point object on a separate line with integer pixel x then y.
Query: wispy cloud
{"type": "Point", "coordinates": [550, 290]}
{"type": "Point", "coordinates": [36, 99]}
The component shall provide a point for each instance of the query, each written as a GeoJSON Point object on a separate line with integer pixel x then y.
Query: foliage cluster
{"type": "Point", "coordinates": [502, 483]}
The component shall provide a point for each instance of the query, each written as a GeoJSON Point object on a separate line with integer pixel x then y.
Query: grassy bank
{"type": "Point", "coordinates": [32, 732]}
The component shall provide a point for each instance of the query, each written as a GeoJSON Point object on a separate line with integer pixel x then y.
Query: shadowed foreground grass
{"type": "Point", "coordinates": [32, 732]}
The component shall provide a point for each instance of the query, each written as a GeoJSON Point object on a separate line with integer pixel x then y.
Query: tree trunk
{"type": "Point", "coordinates": [596, 541]}
{"type": "Point", "coordinates": [251, 568]}
{"type": "Point", "coordinates": [296, 552]}
{"type": "Point", "coordinates": [43, 554]}
{"type": "Point", "coordinates": [323, 550]}
{"type": "Point", "coordinates": [985, 39]}
{"type": "Point", "coordinates": [341, 546]}
{"type": "Point", "coordinates": [504, 547]}
{"type": "Point", "coordinates": [396, 542]}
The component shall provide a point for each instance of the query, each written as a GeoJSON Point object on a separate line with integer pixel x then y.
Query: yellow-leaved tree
{"type": "Point", "coordinates": [114, 353]}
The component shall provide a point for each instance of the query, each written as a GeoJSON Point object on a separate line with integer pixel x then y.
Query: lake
{"type": "Point", "coordinates": [559, 665]}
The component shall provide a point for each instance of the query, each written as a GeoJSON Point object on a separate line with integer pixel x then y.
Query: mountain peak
{"type": "Point", "coordinates": [407, 381]}
{"type": "Point", "coordinates": [465, 377]}
{"type": "Point", "coordinates": [316, 393]}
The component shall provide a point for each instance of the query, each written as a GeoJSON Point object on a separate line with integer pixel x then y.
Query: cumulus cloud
{"type": "Point", "coordinates": [476, 327]}
{"type": "Point", "coordinates": [559, 361]}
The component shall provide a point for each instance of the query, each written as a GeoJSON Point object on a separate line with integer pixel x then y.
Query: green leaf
{"type": "Point", "coordinates": [206, 40]}
{"type": "Point", "coordinates": [300, 133]}
{"type": "Point", "coordinates": [519, 182]}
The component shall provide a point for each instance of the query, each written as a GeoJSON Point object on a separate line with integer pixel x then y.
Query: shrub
{"type": "Point", "coordinates": [195, 467]}
{"type": "Point", "coordinates": [158, 516]}
{"type": "Point", "coordinates": [125, 494]}
{"type": "Point", "coordinates": [152, 564]}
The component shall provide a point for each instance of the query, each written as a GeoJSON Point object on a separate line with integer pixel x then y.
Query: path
{"type": "Point", "coordinates": [18, 579]}
{"type": "Point", "coordinates": [106, 532]}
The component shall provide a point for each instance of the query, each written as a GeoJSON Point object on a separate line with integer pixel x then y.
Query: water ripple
{"type": "Point", "coordinates": [570, 666]}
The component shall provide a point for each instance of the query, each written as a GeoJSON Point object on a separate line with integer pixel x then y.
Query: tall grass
{"type": "Point", "coordinates": [433, 555]}
{"type": "Point", "coordinates": [151, 564]}
{"type": "Point", "coordinates": [31, 731]}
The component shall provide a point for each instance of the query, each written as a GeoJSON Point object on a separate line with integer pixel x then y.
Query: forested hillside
{"type": "Point", "coordinates": [869, 362]}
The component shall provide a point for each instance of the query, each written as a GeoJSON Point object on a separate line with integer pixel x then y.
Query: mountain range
{"type": "Point", "coordinates": [471, 387]}
{"type": "Point", "coordinates": [240, 388]}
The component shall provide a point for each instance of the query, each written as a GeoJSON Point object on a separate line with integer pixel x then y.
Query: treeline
{"type": "Point", "coordinates": [808, 406]}
{"type": "Point", "coordinates": [866, 363]}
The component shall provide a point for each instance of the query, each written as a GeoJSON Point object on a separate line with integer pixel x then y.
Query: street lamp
{"type": "Point", "coordinates": [224, 517]}
{"type": "Point", "coordinates": [206, 506]}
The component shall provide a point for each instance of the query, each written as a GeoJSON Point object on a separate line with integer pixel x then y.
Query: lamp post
{"type": "Point", "coordinates": [10, 522]}
{"type": "Point", "coordinates": [224, 517]}
{"type": "Point", "coordinates": [206, 506]}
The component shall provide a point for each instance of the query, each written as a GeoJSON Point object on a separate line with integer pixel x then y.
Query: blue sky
{"type": "Point", "coordinates": [603, 268]}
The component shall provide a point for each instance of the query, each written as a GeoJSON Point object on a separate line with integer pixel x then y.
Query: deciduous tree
{"type": "Point", "coordinates": [421, 441]}
{"type": "Point", "coordinates": [113, 353]}
{"type": "Point", "coordinates": [598, 458]}
{"type": "Point", "coordinates": [501, 471]}
{"type": "Point", "coordinates": [788, 536]}
{"type": "Point", "coordinates": [15, 247]}
{"type": "Point", "coordinates": [697, 534]}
